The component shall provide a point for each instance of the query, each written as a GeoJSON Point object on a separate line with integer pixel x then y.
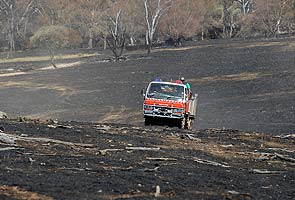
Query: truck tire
{"type": "Point", "coordinates": [148, 121]}
{"type": "Point", "coordinates": [189, 123]}
{"type": "Point", "coordinates": [181, 123]}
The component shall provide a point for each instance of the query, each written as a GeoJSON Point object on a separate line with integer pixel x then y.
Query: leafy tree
{"type": "Point", "coordinates": [230, 11]}
{"type": "Point", "coordinates": [55, 36]}
{"type": "Point", "coordinates": [183, 19]}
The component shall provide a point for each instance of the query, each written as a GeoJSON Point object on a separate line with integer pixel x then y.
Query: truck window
{"type": "Point", "coordinates": [166, 91]}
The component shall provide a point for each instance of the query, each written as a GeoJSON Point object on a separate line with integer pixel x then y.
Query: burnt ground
{"type": "Point", "coordinates": [242, 85]}
{"type": "Point", "coordinates": [245, 85]}
{"type": "Point", "coordinates": [117, 161]}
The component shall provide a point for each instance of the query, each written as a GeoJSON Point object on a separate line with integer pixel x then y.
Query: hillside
{"type": "Point", "coordinates": [244, 85]}
{"type": "Point", "coordinates": [81, 134]}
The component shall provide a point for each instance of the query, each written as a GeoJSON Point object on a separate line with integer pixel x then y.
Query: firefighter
{"type": "Point", "coordinates": [188, 86]}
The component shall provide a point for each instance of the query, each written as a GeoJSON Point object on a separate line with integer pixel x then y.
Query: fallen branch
{"type": "Point", "coordinates": [227, 145]}
{"type": "Point", "coordinates": [192, 137]}
{"type": "Point", "coordinates": [279, 149]}
{"type": "Point", "coordinates": [161, 159]}
{"type": "Point", "coordinates": [264, 171]}
{"type": "Point", "coordinates": [271, 156]}
{"type": "Point", "coordinates": [151, 170]}
{"type": "Point", "coordinates": [5, 138]}
{"type": "Point", "coordinates": [75, 169]}
{"type": "Point", "coordinates": [10, 148]}
{"type": "Point", "coordinates": [143, 148]}
{"type": "Point", "coordinates": [117, 168]}
{"type": "Point", "coordinates": [104, 151]}
{"type": "Point", "coordinates": [285, 136]}
{"type": "Point", "coordinates": [284, 158]}
{"type": "Point", "coordinates": [39, 154]}
{"type": "Point", "coordinates": [59, 126]}
{"type": "Point", "coordinates": [208, 162]}
{"type": "Point", "coordinates": [14, 138]}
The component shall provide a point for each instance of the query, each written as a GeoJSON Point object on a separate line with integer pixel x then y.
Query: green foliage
{"type": "Point", "coordinates": [56, 37]}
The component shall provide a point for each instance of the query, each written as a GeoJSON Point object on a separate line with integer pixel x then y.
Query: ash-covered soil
{"type": "Point", "coordinates": [70, 160]}
{"type": "Point", "coordinates": [244, 85]}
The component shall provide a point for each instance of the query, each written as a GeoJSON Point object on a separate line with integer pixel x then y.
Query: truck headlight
{"type": "Point", "coordinates": [178, 110]}
{"type": "Point", "coordinates": [148, 107]}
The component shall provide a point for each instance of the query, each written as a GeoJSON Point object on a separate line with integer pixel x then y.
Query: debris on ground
{"type": "Point", "coordinates": [72, 160]}
{"type": "Point", "coordinates": [3, 115]}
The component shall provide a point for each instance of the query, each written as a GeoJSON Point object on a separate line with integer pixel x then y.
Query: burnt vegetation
{"type": "Point", "coordinates": [113, 161]}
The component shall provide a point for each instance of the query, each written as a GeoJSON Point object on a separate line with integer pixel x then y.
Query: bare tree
{"type": "Point", "coordinates": [289, 17]}
{"type": "Point", "coordinates": [8, 10]}
{"type": "Point", "coordinates": [27, 9]}
{"type": "Point", "coordinates": [247, 6]}
{"type": "Point", "coordinates": [16, 15]}
{"type": "Point", "coordinates": [133, 20]}
{"type": "Point", "coordinates": [272, 15]}
{"type": "Point", "coordinates": [152, 18]}
{"type": "Point", "coordinates": [116, 38]}
{"type": "Point", "coordinates": [230, 11]}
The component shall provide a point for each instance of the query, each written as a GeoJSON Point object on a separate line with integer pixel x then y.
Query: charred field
{"type": "Point", "coordinates": [70, 160]}
{"type": "Point", "coordinates": [83, 135]}
{"type": "Point", "coordinates": [244, 85]}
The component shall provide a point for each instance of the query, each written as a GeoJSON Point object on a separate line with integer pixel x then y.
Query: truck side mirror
{"type": "Point", "coordinates": [193, 97]}
{"type": "Point", "coordinates": [142, 92]}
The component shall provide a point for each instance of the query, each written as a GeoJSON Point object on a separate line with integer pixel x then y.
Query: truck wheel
{"type": "Point", "coordinates": [189, 123]}
{"type": "Point", "coordinates": [181, 123]}
{"type": "Point", "coordinates": [148, 121]}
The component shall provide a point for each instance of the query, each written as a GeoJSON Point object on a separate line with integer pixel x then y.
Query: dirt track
{"type": "Point", "coordinates": [245, 85]}
{"type": "Point", "coordinates": [113, 161]}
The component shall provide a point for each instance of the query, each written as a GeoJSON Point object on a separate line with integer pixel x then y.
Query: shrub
{"type": "Point", "coordinates": [56, 37]}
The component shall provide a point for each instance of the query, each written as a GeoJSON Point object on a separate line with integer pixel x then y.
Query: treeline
{"type": "Point", "coordinates": [100, 23]}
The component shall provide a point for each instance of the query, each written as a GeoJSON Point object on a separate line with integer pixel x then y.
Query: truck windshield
{"type": "Point", "coordinates": [166, 91]}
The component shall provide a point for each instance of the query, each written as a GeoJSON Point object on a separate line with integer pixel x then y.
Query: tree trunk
{"type": "Point", "coordinates": [202, 33]}
{"type": "Point", "coordinates": [52, 58]}
{"type": "Point", "coordinates": [149, 43]}
{"type": "Point", "coordinates": [113, 49]}
{"type": "Point", "coordinates": [149, 49]}
{"type": "Point", "coordinates": [104, 42]}
{"type": "Point", "coordinates": [11, 29]}
{"type": "Point", "coordinates": [90, 42]}
{"type": "Point", "coordinates": [122, 47]}
{"type": "Point", "coordinates": [131, 41]}
{"type": "Point", "coordinates": [231, 26]}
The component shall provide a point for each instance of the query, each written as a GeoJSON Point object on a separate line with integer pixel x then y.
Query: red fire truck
{"type": "Point", "coordinates": [170, 100]}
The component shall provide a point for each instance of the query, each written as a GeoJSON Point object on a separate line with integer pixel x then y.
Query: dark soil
{"type": "Point", "coordinates": [245, 85]}
{"type": "Point", "coordinates": [208, 164]}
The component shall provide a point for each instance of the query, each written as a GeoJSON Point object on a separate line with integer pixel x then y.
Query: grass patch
{"type": "Point", "coordinates": [46, 58]}
{"type": "Point", "coordinates": [63, 90]}
{"type": "Point", "coordinates": [245, 76]}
